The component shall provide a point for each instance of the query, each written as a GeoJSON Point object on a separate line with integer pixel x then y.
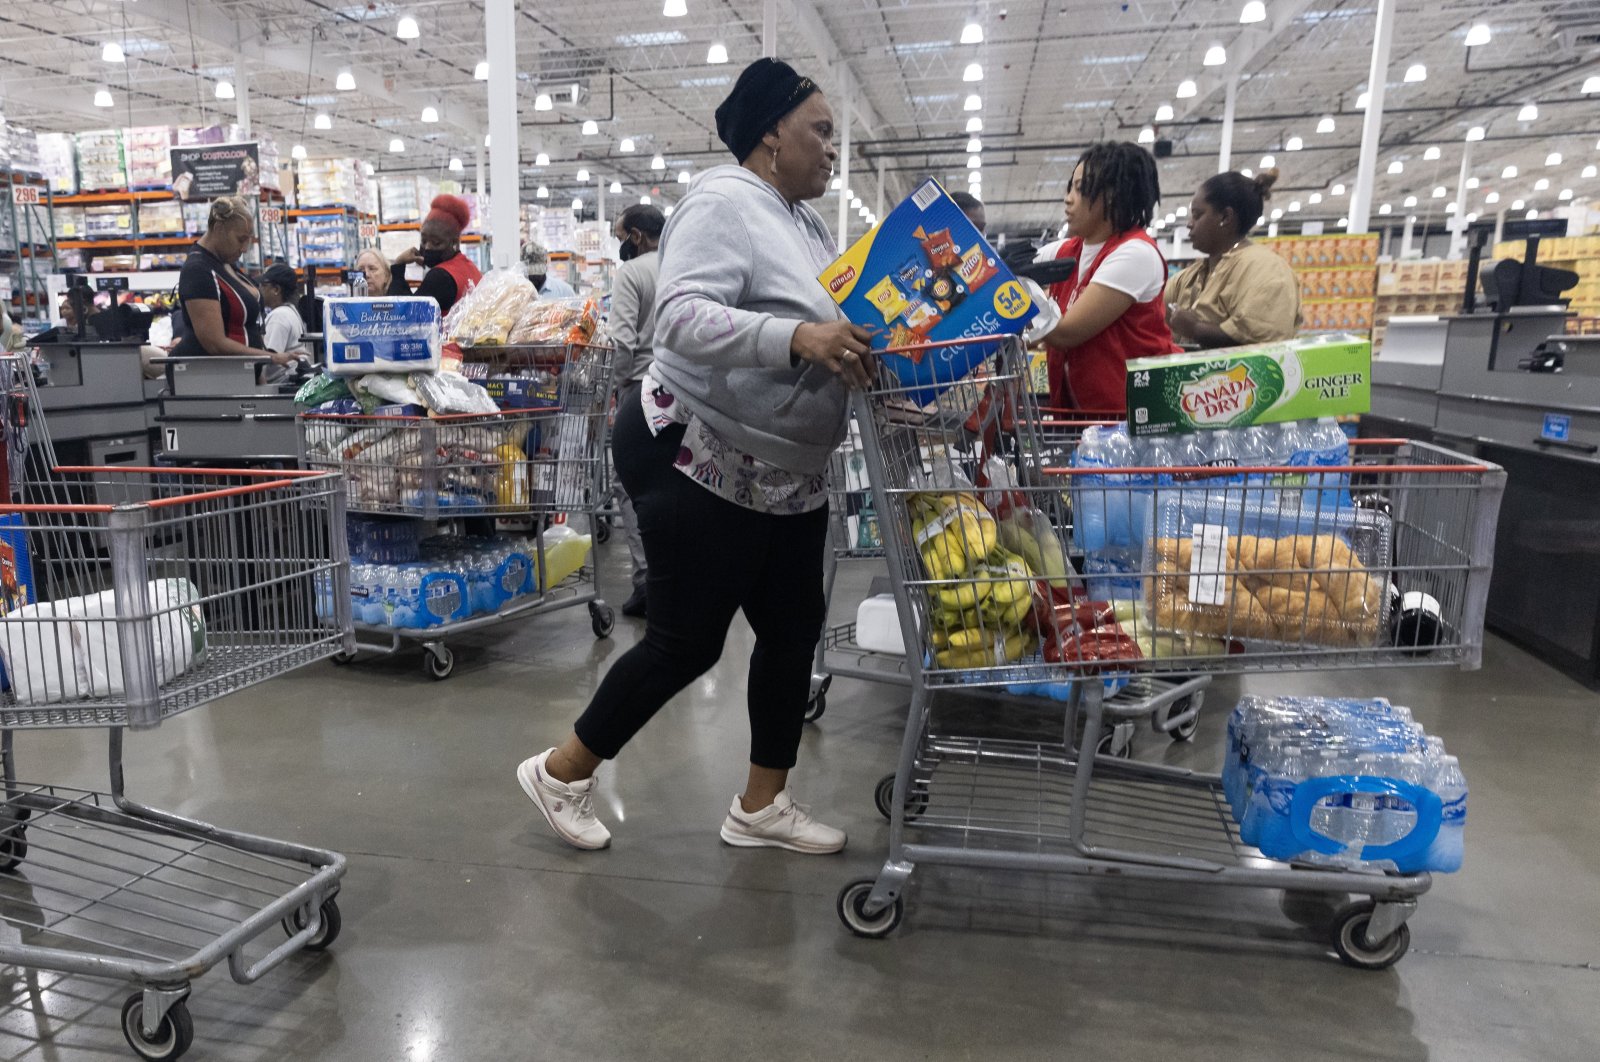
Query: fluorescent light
{"type": "Point", "coordinates": [456, 166]}
{"type": "Point", "coordinates": [481, 71]}
{"type": "Point", "coordinates": [577, 205]}
{"type": "Point", "coordinates": [1254, 11]}
{"type": "Point", "coordinates": [626, 146]}
{"type": "Point", "coordinates": [112, 53]}
{"type": "Point", "coordinates": [1187, 89]}
{"type": "Point", "coordinates": [974, 162]}
{"type": "Point", "coordinates": [1478, 35]}
{"type": "Point", "coordinates": [1430, 154]}
{"type": "Point", "coordinates": [543, 102]}
{"type": "Point", "coordinates": [322, 121]}
{"type": "Point", "coordinates": [972, 33]}
{"type": "Point", "coordinates": [1471, 218]}
{"type": "Point", "coordinates": [1147, 135]}
{"type": "Point", "coordinates": [717, 53]}
{"type": "Point", "coordinates": [1589, 172]}
{"type": "Point", "coordinates": [1564, 194]}
{"type": "Point", "coordinates": [102, 98]}
{"type": "Point", "coordinates": [674, 9]}
{"type": "Point", "coordinates": [1542, 184]}
{"type": "Point", "coordinates": [1529, 113]}
{"type": "Point", "coordinates": [1518, 204]}
{"type": "Point", "coordinates": [683, 176]}
{"type": "Point", "coordinates": [1508, 173]}
{"type": "Point", "coordinates": [855, 203]}
{"type": "Point", "coordinates": [346, 81]}
{"type": "Point", "coordinates": [1268, 161]}
{"type": "Point", "coordinates": [616, 187]}
{"type": "Point", "coordinates": [397, 146]}
{"type": "Point", "coordinates": [407, 29]}
{"type": "Point", "coordinates": [1492, 197]}
{"type": "Point", "coordinates": [1327, 124]}
{"type": "Point", "coordinates": [975, 177]}
{"type": "Point", "coordinates": [973, 72]}
{"type": "Point", "coordinates": [1411, 201]}
{"type": "Point", "coordinates": [1475, 134]}
{"type": "Point", "coordinates": [1472, 183]}
{"type": "Point", "coordinates": [974, 124]}
{"type": "Point", "coordinates": [658, 163]}
{"type": "Point", "coordinates": [541, 159]}
{"type": "Point", "coordinates": [1362, 100]}
{"type": "Point", "coordinates": [1164, 113]}
{"type": "Point", "coordinates": [1216, 55]}
{"type": "Point", "coordinates": [1316, 197]}
{"type": "Point", "coordinates": [863, 212]}
{"type": "Point", "coordinates": [974, 103]}
{"type": "Point", "coordinates": [974, 146]}
{"type": "Point", "coordinates": [1397, 166]}
{"type": "Point", "coordinates": [1337, 189]}
{"type": "Point", "coordinates": [1553, 159]}
{"type": "Point", "coordinates": [1276, 214]}
{"type": "Point", "coordinates": [1344, 223]}
{"type": "Point", "coordinates": [1294, 143]}
{"type": "Point", "coordinates": [1533, 215]}
{"type": "Point", "coordinates": [298, 151]}
{"type": "Point", "coordinates": [591, 128]}
{"type": "Point", "coordinates": [1439, 192]}
{"type": "Point", "coordinates": [1294, 206]}
{"type": "Point", "coordinates": [224, 90]}
{"type": "Point", "coordinates": [1182, 212]}
{"type": "Point", "coordinates": [541, 192]}
{"type": "Point", "coordinates": [1416, 72]}
{"type": "Point", "coordinates": [1386, 209]}
{"type": "Point", "coordinates": [644, 200]}
{"type": "Point", "coordinates": [430, 115]}
{"type": "Point", "coordinates": [1591, 85]}
{"type": "Point", "coordinates": [583, 176]}
{"type": "Point", "coordinates": [1247, 172]}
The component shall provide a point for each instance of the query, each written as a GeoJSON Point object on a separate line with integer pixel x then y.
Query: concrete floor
{"type": "Point", "coordinates": [471, 934]}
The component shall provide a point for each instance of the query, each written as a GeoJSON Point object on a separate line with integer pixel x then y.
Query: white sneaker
{"type": "Point", "coordinates": [782, 824]}
{"type": "Point", "coordinates": [569, 809]}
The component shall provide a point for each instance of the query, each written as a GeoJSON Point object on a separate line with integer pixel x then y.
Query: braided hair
{"type": "Point", "coordinates": [1124, 175]}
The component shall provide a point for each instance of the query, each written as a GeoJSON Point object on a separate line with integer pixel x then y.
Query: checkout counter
{"type": "Point", "coordinates": [1482, 383]}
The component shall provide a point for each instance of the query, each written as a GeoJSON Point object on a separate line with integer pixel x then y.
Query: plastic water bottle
{"type": "Point", "coordinates": [1330, 448]}
{"type": "Point", "coordinates": [1445, 855]}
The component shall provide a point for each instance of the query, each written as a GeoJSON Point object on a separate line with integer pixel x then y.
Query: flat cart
{"type": "Point", "coordinates": [541, 465]}
{"type": "Point", "coordinates": [1399, 517]}
{"type": "Point", "coordinates": [131, 595]}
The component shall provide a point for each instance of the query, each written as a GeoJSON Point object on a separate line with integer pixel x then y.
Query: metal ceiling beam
{"type": "Point", "coordinates": [1250, 43]}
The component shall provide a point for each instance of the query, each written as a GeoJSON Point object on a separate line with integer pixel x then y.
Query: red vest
{"type": "Point", "coordinates": [1093, 376]}
{"type": "Point", "coordinates": [463, 272]}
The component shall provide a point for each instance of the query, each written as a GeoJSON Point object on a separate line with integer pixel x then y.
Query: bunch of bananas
{"type": "Point", "coordinates": [982, 595]}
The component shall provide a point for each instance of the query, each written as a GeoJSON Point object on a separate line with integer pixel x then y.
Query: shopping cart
{"type": "Point", "coordinates": [540, 464]}
{"type": "Point", "coordinates": [1210, 597]}
{"type": "Point", "coordinates": [131, 595]}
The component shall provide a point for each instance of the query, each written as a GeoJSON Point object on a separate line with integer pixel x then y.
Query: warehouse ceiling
{"type": "Point", "coordinates": [1056, 75]}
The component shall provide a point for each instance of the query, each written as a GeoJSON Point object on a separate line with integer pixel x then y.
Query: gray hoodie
{"type": "Point", "coordinates": [738, 275]}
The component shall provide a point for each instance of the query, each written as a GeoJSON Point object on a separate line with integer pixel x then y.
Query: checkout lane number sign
{"type": "Point", "coordinates": [1557, 427]}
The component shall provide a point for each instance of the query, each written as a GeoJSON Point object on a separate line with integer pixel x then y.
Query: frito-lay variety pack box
{"type": "Point", "coordinates": [1266, 383]}
{"type": "Point", "coordinates": [925, 275]}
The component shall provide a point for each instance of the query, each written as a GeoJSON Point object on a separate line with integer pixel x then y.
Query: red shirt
{"type": "Point", "coordinates": [1093, 375]}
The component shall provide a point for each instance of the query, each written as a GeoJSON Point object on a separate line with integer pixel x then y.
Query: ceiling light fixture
{"type": "Point", "coordinates": [1472, 183]}
{"type": "Point", "coordinates": [1553, 159]}
{"type": "Point", "coordinates": [1397, 166]}
{"type": "Point", "coordinates": [541, 159]}
{"type": "Point", "coordinates": [481, 71]}
{"type": "Point", "coordinates": [1411, 201]}
{"type": "Point", "coordinates": [1508, 173]}
{"type": "Point", "coordinates": [974, 124]}
{"type": "Point", "coordinates": [346, 81]}
{"type": "Point", "coordinates": [974, 103]}
{"type": "Point", "coordinates": [1254, 11]}
{"type": "Point", "coordinates": [543, 102]}
{"type": "Point", "coordinates": [674, 9]}
{"type": "Point", "coordinates": [1439, 192]}
{"type": "Point", "coordinates": [1591, 85]}
{"type": "Point", "coordinates": [1147, 135]}
{"type": "Point", "coordinates": [972, 33]}
{"type": "Point", "coordinates": [322, 121]}
{"type": "Point", "coordinates": [1268, 161]}
{"type": "Point", "coordinates": [1416, 72]}
{"type": "Point", "coordinates": [366, 168]}
{"type": "Point", "coordinates": [1430, 154]}
{"type": "Point", "coordinates": [1294, 206]}
{"type": "Point", "coordinates": [626, 146]}
{"type": "Point", "coordinates": [683, 176]}
{"type": "Point", "coordinates": [456, 166]}
{"type": "Point", "coordinates": [1533, 215]}
{"type": "Point", "coordinates": [102, 98]}
{"type": "Point", "coordinates": [666, 211]}
{"type": "Point", "coordinates": [1344, 223]}
{"type": "Point", "coordinates": [616, 187]}
{"type": "Point", "coordinates": [1478, 35]}
{"type": "Point", "coordinates": [430, 115]}
{"type": "Point", "coordinates": [974, 145]}
{"type": "Point", "coordinates": [298, 152]}
{"type": "Point", "coordinates": [1386, 209]}
{"type": "Point", "coordinates": [1492, 197]}
{"type": "Point", "coordinates": [717, 53]}
{"type": "Point", "coordinates": [1327, 124]}
{"type": "Point", "coordinates": [1247, 172]}
{"type": "Point", "coordinates": [112, 53]}
{"type": "Point", "coordinates": [1542, 184]}
{"type": "Point", "coordinates": [577, 205]}
{"type": "Point", "coordinates": [1316, 197]}
{"type": "Point", "coordinates": [1276, 214]}
{"type": "Point", "coordinates": [973, 72]}
{"type": "Point", "coordinates": [583, 175]}
{"type": "Point", "coordinates": [974, 162]}
{"type": "Point", "coordinates": [1164, 113]}
{"type": "Point", "coordinates": [542, 192]}
{"type": "Point", "coordinates": [838, 183]}
{"type": "Point", "coordinates": [591, 128]}
{"type": "Point", "coordinates": [1294, 143]}
{"type": "Point", "coordinates": [224, 90]}
{"type": "Point", "coordinates": [407, 29]}
{"type": "Point", "coordinates": [486, 140]}
{"type": "Point", "coordinates": [1362, 100]}
{"type": "Point", "coordinates": [1529, 113]}
{"type": "Point", "coordinates": [1187, 89]}
{"type": "Point", "coordinates": [1564, 194]}
{"type": "Point", "coordinates": [658, 163]}
{"type": "Point", "coordinates": [397, 146]}
{"type": "Point", "coordinates": [1216, 55]}
{"type": "Point", "coordinates": [1475, 134]}
{"type": "Point", "coordinates": [1518, 204]}
{"type": "Point", "coordinates": [1337, 189]}
{"type": "Point", "coordinates": [1589, 172]}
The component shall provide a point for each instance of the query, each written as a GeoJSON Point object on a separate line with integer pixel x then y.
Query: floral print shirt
{"type": "Point", "coordinates": [723, 469]}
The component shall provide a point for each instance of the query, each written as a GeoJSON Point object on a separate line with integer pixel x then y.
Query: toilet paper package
{"type": "Point", "coordinates": [382, 335]}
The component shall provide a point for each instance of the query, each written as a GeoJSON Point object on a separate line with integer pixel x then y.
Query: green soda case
{"type": "Point", "coordinates": [1235, 387]}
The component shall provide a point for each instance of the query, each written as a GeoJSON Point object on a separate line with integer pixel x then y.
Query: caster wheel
{"type": "Point", "coordinates": [852, 911]}
{"type": "Point", "coordinates": [326, 935]}
{"type": "Point", "coordinates": [440, 662]}
{"type": "Point", "coordinates": [13, 848]}
{"type": "Point", "coordinates": [602, 532]}
{"type": "Point", "coordinates": [818, 703]}
{"type": "Point", "coordinates": [1177, 708]}
{"type": "Point", "coordinates": [1110, 746]}
{"type": "Point", "coordinates": [883, 799]}
{"type": "Point", "coordinates": [1349, 939]}
{"type": "Point", "coordinates": [342, 658]}
{"type": "Point", "coordinates": [603, 619]}
{"type": "Point", "coordinates": [172, 1038]}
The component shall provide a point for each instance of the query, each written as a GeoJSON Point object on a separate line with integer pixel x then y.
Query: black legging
{"type": "Point", "coordinates": [708, 558]}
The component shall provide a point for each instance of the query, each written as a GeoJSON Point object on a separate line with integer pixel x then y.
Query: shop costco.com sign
{"type": "Point", "coordinates": [210, 171]}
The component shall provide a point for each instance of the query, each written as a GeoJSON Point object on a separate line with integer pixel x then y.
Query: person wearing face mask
{"type": "Point", "coordinates": [536, 263]}
{"type": "Point", "coordinates": [1241, 292]}
{"type": "Point", "coordinates": [724, 450]}
{"type": "Point", "coordinates": [221, 308]}
{"type": "Point", "coordinates": [632, 324]}
{"type": "Point", "coordinates": [451, 274]}
{"type": "Point", "coordinates": [1111, 307]}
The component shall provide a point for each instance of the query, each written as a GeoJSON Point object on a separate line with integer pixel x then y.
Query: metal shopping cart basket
{"type": "Point", "coordinates": [1230, 570]}
{"type": "Point", "coordinates": [543, 459]}
{"type": "Point", "coordinates": [131, 595]}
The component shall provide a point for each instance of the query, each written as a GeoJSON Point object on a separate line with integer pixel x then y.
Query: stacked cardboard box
{"type": "Point", "coordinates": [1337, 280]}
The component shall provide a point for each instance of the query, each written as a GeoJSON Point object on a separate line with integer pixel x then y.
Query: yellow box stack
{"type": "Point", "coordinates": [1338, 282]}
{"type": "Point", "coordinates": [1581, 254]}
{"type": "Point", "coordinates": [1425, 287]}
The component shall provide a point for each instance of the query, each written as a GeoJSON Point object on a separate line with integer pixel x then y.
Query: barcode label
{"type": "Point", "coordinates": [925, 196]}
{"type": "Point", "coordinates": [350, 352]}
{"type": "Point", "coordinates": [1206, 563]}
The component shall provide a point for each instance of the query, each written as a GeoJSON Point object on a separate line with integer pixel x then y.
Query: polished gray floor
{"type": "Point", "coordinates": [470, 934]}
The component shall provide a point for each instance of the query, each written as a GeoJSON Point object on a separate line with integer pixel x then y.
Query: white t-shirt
{"type": "Point", "coordinates": [284, 330]}
{"type": "Point", "coordinates": [1135, 268]}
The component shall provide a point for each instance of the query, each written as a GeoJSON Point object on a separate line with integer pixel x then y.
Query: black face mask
{"type": "Point", "coordinates": [431, 258]}
{"type": "Point", "coordinates": [628, 251]}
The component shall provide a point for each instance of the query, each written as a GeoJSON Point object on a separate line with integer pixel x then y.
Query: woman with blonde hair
{"type": "Point", "coordinates": [221, 307]}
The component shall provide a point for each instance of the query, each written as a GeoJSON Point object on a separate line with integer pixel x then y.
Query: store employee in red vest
{"type": "Point", "coordinates": [451, 274]}
{"type": "Point", "coordinates": [1111, 308]}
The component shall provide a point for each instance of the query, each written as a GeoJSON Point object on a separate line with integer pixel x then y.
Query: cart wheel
{"type": "Point", "coordinates": [1349, 932]}
{"type": "Point", "coordinates": [883, 799]}
{"type": "Point", "coordinates": [602, 531]}
{"type": "Point", "coordinates": [1109, 746]}
{"type": "Point", "coordinates": [440, 662]}
{"type": "Point", "coordinates": [172, 1038]}
{"type": "Point", "coordinates": [603, 619]}
{"type": "Point", "coordinates": [13, 848]}
{"type": "Point", "coordinates": [852, 911]}
{"type": "Point", "coordinates": [342, 658]}
{"type": "Point", "coordinates": [326, 935]}
{"type": "Point", "coordinates": [1176, 708]}
{"type": "Point", "coordinates": [818, 703]}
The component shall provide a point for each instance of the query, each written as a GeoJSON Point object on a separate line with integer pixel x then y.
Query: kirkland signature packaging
{"type": "Point", "coordinates": [1266, 383]}
{"type": "Point", "coordinates": [363, 335]}
{"type": "Point", "coordinates": [924, 274]}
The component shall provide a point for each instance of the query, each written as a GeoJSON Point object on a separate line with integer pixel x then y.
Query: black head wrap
{"type": "Point", "coordinates": [767, 90]}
